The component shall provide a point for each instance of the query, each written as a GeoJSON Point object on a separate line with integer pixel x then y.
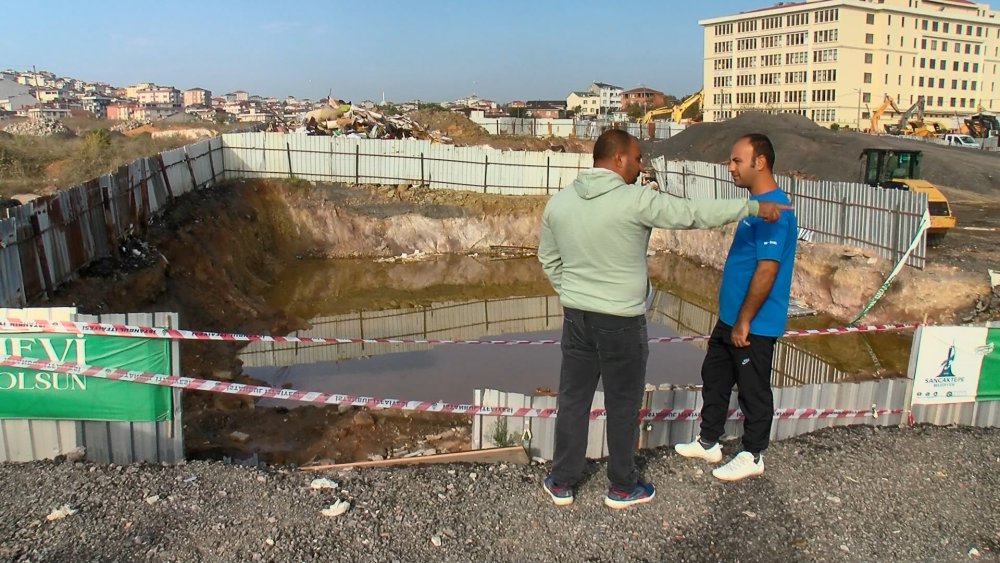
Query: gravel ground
{"type": "Point", "coordinates": [842, 494]}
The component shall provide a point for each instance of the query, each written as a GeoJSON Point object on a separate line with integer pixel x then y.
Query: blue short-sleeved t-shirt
{"type": "Point", "coordinates": [756, 239]}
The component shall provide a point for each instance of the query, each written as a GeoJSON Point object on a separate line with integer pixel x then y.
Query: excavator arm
{"type": "Point", "coordinates": [649, 115]}
{"type": "Point", "coordinates": [678, 111]}
{"type": "Point", "coordinates": [887, 103]}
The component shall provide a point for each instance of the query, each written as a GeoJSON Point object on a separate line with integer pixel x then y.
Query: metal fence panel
{"type": "Point", "coordinates": [105, 442]}
{"type": "Point", "coordinates": [11, 280]}
{"type": "Point", "coordinates": [883, 221]}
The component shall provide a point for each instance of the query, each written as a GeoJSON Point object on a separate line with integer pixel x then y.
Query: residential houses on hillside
{"type": "Point", "coordinates": [43, 94]}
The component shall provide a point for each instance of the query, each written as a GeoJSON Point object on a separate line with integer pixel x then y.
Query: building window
{"type": "Point", "coordinates": [796, 38]}
{"type": "Point", "coordinates": [799, 58]}
{"type": "Point", "coordinates": [958, 29]}
{"type": "Point", "coordinates": [796, 19]}
{"type": "Point", "coordinates": [824, 115]}
{"type": "Point", "coordinates": [825, 75]}
{"type": "Point", "coordinates": [825, 36]}
{"type": "Point", "coordinates": [825, 56]}
{"type": "Point", "coordinates": [923, 25]}
{"type": "Point", "coordinates": [934, 26]}
{"type": "Point", "coordinates": [920, 82]}
{"type": "Point", "coordinates": [866, 97]}
{"type": "Point", "coordinates": [870, 19]}
{"type": "Point", "coordinates": [868, 78]}
{"type": "Point", "coordinates": [771, 41]}
{"type": "Point", "coordinates": [825, 16]}
{"type": "Point", "coordinates": [870, 38]}
{"type": "Point", "coordinates": [869, 58]}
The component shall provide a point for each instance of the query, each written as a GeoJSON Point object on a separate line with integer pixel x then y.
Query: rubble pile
{"type": "Point", "coordinates": [987, 308]}
{"type": "Point", "coordinates": [353, 121]}
{"type": "Point", "coordinates": [37, 127]}
{"type": "Point", "coordinates": [128, 125]}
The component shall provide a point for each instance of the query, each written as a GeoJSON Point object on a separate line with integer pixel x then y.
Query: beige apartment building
{"type": "Point", "coordinates": [835, 61]}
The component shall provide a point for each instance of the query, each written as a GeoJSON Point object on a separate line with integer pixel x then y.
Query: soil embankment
{"type": "Point", "coordinates": [216, 252]}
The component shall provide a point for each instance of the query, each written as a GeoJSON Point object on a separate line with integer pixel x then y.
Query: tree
{"type": "Point", "coordinates": [634, 111]}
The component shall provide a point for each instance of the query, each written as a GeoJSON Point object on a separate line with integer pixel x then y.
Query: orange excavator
{"type": "Point", "coordinates": [887, 103]}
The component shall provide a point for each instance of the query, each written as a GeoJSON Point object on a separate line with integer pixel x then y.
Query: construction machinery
{"type": "Point", "coordinates": [906, 126]}
{"type": "Point", "coordinates": [898, 169]}
{"type": "Point", "coordinates": [676, 112]}
{"type": "Point", "coordinates": [982, 125]}
{"type": "Point", "coordinates": [649, 115]}
{"type": "Point", "coordinates": [887, 103]}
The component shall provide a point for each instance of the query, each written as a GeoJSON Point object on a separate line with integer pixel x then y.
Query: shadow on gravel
{"type": "Point", "coordinates": [749, 521]}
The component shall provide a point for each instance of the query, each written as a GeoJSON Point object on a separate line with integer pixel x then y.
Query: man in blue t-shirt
{"type": "Point", "coordinates": [753, 308]}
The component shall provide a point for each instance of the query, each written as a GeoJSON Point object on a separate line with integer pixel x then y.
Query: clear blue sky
{"type": "Point", "coordinates": [431, 50]}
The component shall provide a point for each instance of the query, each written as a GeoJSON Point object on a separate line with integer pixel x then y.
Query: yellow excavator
{"type": "Point", "coordinates": [887, 103]}
{"type": "Point", "coordinates": [675, 112]}
{"type": "Point", "coordinates": [897, 169]}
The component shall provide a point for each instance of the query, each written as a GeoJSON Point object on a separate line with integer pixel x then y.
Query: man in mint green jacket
{"type": "Point", "coordinates": [592, 246]}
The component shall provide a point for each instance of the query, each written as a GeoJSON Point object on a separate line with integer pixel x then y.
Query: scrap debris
{"type": "Point", "coordinates": [342, 118]}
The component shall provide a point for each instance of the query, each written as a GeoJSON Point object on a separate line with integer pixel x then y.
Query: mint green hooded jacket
{"type": "Point", "coordinates": [595, 234]}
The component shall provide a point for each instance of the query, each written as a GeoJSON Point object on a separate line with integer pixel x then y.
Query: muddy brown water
{"type": "Point", "coordinates": [471, 297]}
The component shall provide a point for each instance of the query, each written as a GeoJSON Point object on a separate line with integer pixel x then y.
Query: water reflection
{"type": "Point", "coordinates": [468, 298]}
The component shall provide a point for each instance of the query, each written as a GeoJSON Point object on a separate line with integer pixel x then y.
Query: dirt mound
{"type": "Point", "coordinates": [808, 150]}
{"type": "Point", "coordinates": [455, 125]}
{"type": "Point", "coordinates": [463, 131]}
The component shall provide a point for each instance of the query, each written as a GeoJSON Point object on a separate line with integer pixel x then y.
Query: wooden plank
{"type": "Point", "coordinates": [513, 454]}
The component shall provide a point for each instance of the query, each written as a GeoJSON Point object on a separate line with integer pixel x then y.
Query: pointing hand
{"type": "Point", "coordinates": [770, 211]}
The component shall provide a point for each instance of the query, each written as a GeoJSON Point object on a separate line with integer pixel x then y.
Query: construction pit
{"type": "Point", "coordinates": [273, 257]}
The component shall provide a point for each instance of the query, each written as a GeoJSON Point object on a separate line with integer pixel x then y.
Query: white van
{"type": "Point", "coordinates": [961, 141]}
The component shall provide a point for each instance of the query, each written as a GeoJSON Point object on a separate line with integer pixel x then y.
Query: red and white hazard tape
{"type": "Point", "coordinates": [108, 329]}
{"type": "Point", "coordinates": [263, 392]}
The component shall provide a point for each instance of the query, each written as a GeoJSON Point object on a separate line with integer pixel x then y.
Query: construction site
{"type": "Point", "coordinates": [291, 255]}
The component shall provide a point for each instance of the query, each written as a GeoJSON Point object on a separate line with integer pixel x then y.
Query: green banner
{"type": "Point", "coordinates": [989, 373]}
{"type": "Point", "coordinates": [41, 394]}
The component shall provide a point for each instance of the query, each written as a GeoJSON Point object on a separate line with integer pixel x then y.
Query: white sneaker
{"type": "Point", "coordinates": [740, 467]}
{"type": "Point", "coordinates": [696, 450]}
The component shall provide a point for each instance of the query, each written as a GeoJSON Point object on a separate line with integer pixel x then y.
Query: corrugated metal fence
{"type": "Point", "coordinates": [580, 128]}
{"type": "Point", "coordinates": [888, 394]}
{"type": "Point", "coordinates": [465, 320]}
{"type": "Point", "coordinates": [372, 161]}
{"type": "Point", "coordinates": [883, 221]}
{"type": "Point", "coordinates": [105, 441]}
{"type": "Point", "coordinates": [45, 242]}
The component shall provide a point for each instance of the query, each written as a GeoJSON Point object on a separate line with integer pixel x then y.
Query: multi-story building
{"type": "Point", "coordinates": [584, 103]}
{"type": "Point", "coordinates": [132, 92]}
{"type": "Point", "coordinates": [645, 98]}
{"type": "Point", "coordinates": [197, 97]}
{"type": "Point", "coordinates": [611, 96]}
{"type": "Point", "coordinates": [159, 96]}
{"type": "Point", "coordinates": [834, 61]}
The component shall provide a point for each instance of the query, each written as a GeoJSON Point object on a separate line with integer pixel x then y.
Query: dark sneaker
{"type": "Point", "coordinates": [618, 498]}
{"type": "Point", "coordinates": [562, 495]}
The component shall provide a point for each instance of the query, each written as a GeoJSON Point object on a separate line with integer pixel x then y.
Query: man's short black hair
{"type": "Point", "coordinates": [610, 143]}
{"type": "Point", "coordinates": [761, 147]}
